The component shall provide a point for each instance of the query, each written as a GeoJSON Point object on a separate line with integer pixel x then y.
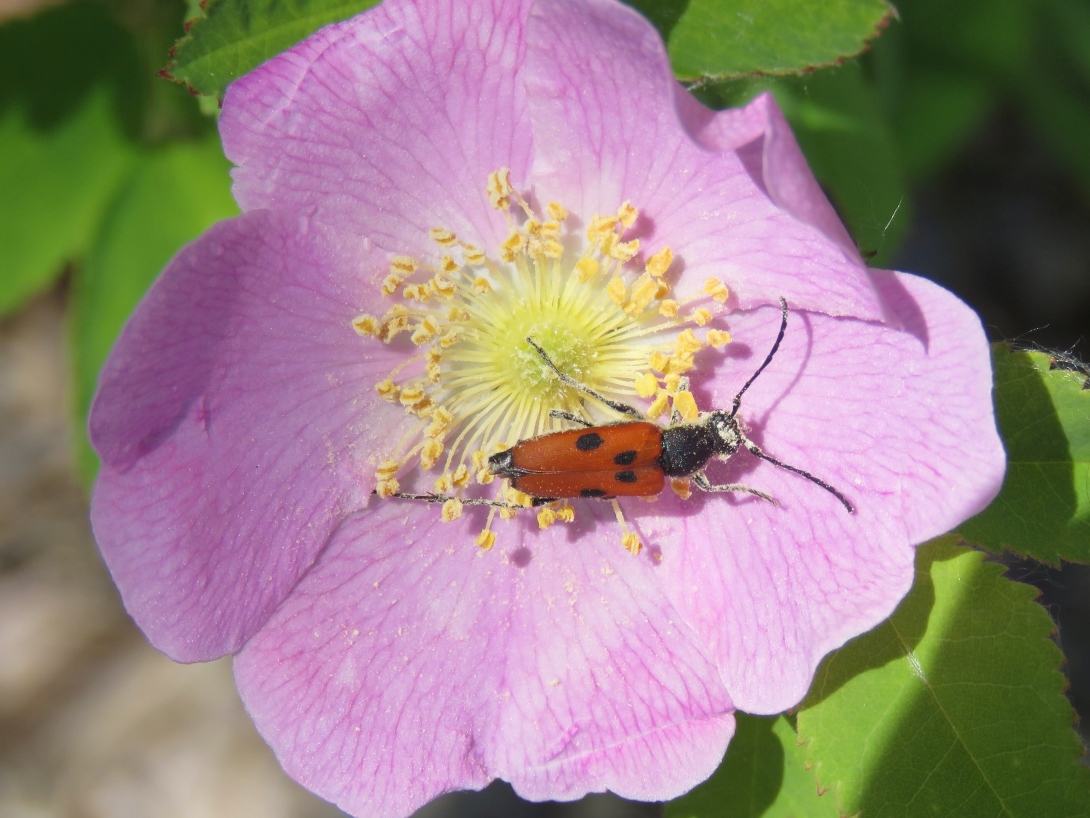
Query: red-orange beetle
{"type": "Point", "coordinates": [630, 458]}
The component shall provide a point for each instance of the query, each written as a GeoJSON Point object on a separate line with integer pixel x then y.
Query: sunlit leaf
{"type": "Point", "coordinates": [764, 774]}
{"type": "Point", "coordinates": [54, 187]}
{"type": "Point", "coordinates": [235, 36]}
{"type": "Point", "coordinates": [1043, 510]}
{"type": "Point", "coordinates": [953, 707]}
{"type": "Point", "coordinates": [731, 38]}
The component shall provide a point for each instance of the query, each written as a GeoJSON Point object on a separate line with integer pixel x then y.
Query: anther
{"type": "Point", "coordinates": [499, 188]}
{"type": "Point", "coordinates": [366, 325]}
{"type": "Point", "coordinates": [682, 487]}
{"type": "Point", "coordinates": [545, 517]}
{"type": "Point", "coordinates": [668, 309]}
{"type": "Point", "coordinates": [556, 211]}
{"type": "Point", "coordinates": [627, 214]}
{"type": "Point", "coordinates": [430, 453]}
{"type": "Point", "coordinates": [411, 395]}
{"type": "Point", "coordinates": [624, 251]}
{"type": "Point", "coordinates": [659, 263]}
{"type": "Point", "coordinates": [616, 291]}
{"type": "Point", "coordinates": [646, 385]}
{"type": "Point", "coordinates": [718, 338]}
{"type": "Point", "coordinates": [391, 283]}
{"type": "Point", "coordinates": [685, 403]}
{"type": "Point", "coordinates": [702, 316]}
{"type": "Point", "coordinates": [403, 265]}
{"type": "Point", "coordinates": [387, 469]}
{"type": "Point", "coordinates": [485, 540]}
{"type": "Point", "coordinates": [658, 406]}
{"type": "Point", "coordinates": [387, 488]}
{"type": "Point", "coordinates": [452, 510]}
{"type": "Point", "coordinates": [387, 390]}
{"type": "Point", "coordinates": [417, 292]}
{"type": "Point", "coordinates": [687, 342]}
{"type": "Point", "coordinates": [586, 269]}
{"type": "Point", "coordinates": [443, 237]}
{"type": "Point", "coordinates": [442, 286]}
{"type": "Point", "coordinates": [716, 289]}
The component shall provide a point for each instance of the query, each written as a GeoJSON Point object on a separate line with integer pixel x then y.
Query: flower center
{"type": "Point", "coordinates": [477, 386]}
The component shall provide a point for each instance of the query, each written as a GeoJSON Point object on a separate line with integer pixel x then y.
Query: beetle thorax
{"type": "Point", "coordinates": [727, 431]}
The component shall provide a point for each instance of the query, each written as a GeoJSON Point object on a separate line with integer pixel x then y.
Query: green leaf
{"type": "Point", "coordinates": [1043, 509]}
{"type": "Point", "coordinates": [71, 90]}
{"type": "Point", "coordinates": [953, 707]}
{"type": "Point", "coordinates": [175, 194]}
{"type": "Point", "coordinates": [236, 36]}
{"type": "Point", "coordinates": [764, 774]}
{"type": "Point", "coordinates": [54, 187]}
{"type": "Point", "coordinates": [722, 39]}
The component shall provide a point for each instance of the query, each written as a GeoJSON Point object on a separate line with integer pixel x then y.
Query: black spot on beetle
{"type": "Point", "coordinates": [625, 476]}
{"type": "Point", "coordinates": [592, 493]}
{"type": "Point", "coordinates": [624, 458]}
{"type": "Point", "coordinates": [588, 442]}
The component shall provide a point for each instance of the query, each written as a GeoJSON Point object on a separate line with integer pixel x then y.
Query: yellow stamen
{"type": "Point", "coordinates": [702, 316]}
{"type": "Point", "coordinates": [682, 487]}
{"type": "Point", "coordinates": [366, 325]}
{"type": "Point", "coordinates": [443, 237]}
{"type": "Point", "coordinates": [658, 406]}
{"type": "Point", "coordinates": [718, 338]}
{"type": "Point", "coordinates": [499, 189]}
{"type": "Point", "coordinates": [659, 263]}
{"type": "Point", "coordinates": [586, 269]}
{"type": "Point", "coordinates": [627, 214]}
{"type": "Point", "coordinates": [716, 289]}
{"type": "Point", "coordinates": [685, 403]}
{"type": "Point", "coordinates": [545, 517]}
{"type": "Point", "coordinates": [387, 488]}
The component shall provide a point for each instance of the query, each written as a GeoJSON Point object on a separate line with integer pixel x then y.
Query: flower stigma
{"type": "Point", "coordinates": [476, 386]}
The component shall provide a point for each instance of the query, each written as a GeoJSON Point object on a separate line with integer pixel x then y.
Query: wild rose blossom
{"type": "Point", "coordinates": [444, 179]}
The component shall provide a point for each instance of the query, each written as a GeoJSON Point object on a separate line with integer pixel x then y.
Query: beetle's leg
{"type": "Point", "coordinates": [473, 501]}
{"type": "Point", "coordinates": [557, 414]}
{"type": "Point", "coordinates": [755, 449]}
{"type": "Point", "coordinates": [622, 408]}
{"type": "Point", "coordinates": [703, 484]}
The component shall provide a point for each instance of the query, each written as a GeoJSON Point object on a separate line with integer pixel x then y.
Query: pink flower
{"type": "Point", "coordinates": [243, 423]}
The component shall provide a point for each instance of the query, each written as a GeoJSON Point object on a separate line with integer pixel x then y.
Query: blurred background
{"type": "Point", "coordinates": [957, 147]}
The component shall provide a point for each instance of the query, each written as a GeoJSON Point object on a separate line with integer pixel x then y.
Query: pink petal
{"type": "Point", "coordinates": [900, 422]}
{"type": "Point", "coordinates": [602, 103]}
{"type": "Point", "coordinates": [388, 124]}
{"type": "Point", "coordinates": [408, 663]}
{"type": "Point", "coordinates": [236, 419]}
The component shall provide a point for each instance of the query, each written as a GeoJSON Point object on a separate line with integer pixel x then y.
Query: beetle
{"type": "Point", "coordinates": [631, 458]}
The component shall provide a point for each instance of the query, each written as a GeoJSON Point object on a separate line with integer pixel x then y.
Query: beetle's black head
{"type": "Point", "coordinates": [728, 437]}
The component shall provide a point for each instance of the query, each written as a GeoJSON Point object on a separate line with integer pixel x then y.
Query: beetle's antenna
{"type": "Point", "coordinates": [767, 361]}
{"type": "Point", "coordinates": [755, 449]}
